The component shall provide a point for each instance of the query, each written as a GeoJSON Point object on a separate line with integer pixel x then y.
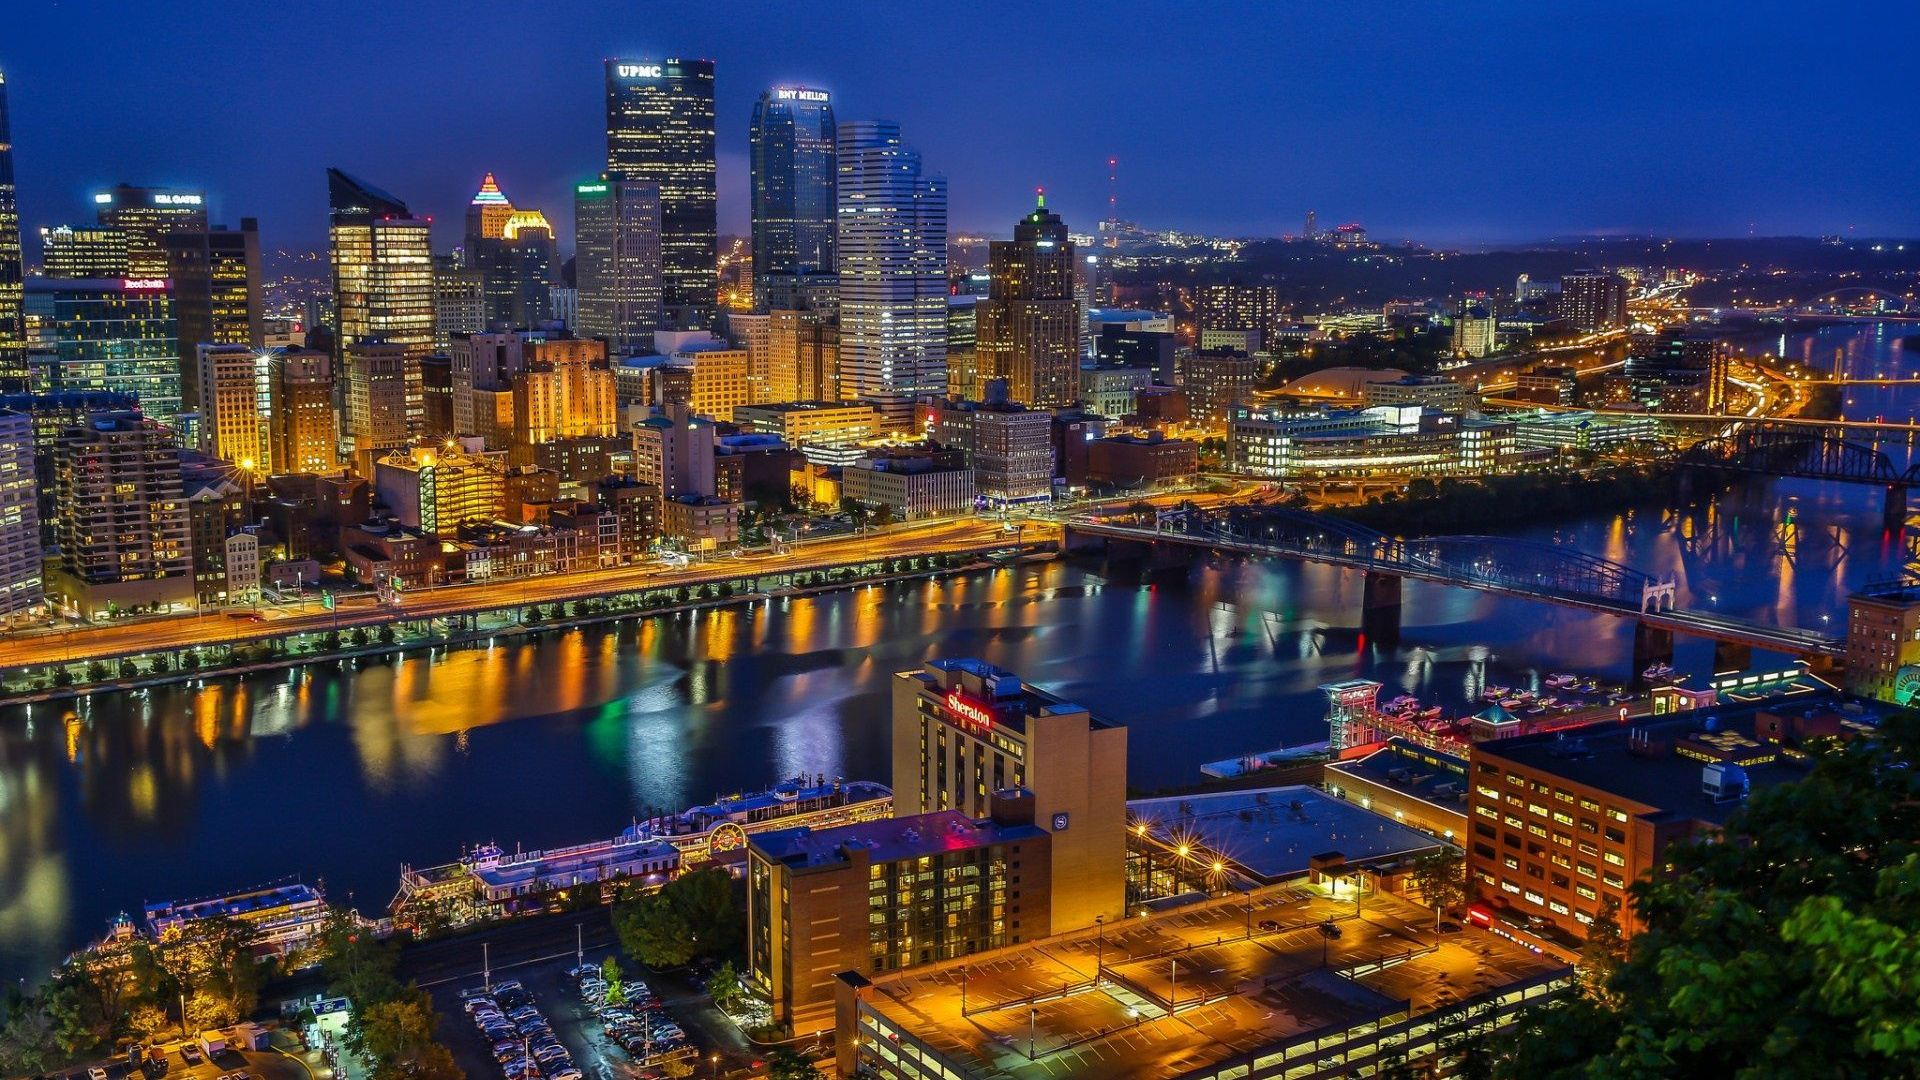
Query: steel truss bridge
{"type": "Point", "coordinates": [1810, 451]}
{"type": "Point", "coordinates": [1497, 564]}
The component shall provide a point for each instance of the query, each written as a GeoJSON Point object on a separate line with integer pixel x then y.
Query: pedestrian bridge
{"type": "Point", "coordinates": [1498, 564]}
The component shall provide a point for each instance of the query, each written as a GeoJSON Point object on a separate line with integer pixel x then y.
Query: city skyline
{"type": "Point", "coordinates": [1550, 157]}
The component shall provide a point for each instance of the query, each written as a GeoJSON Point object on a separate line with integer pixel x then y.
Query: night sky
{"type": "Point", "coordinates": [1443, 122]}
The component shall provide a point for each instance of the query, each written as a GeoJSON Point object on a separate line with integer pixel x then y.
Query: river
{"type": "Point", "coordinates": [340, 773]}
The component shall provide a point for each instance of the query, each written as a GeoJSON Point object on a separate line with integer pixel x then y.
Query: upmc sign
{"type": "Point", "coordinates": [638, 71]}
{"type": "Point", "coordinates": [968, 709]}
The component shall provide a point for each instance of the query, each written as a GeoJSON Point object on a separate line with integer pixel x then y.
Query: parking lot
{"type": "Point", "coordinates": [582, 1032]}
{"type": "Point", "coordinates": [257, 1065]}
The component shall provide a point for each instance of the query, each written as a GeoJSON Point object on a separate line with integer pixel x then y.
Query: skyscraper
{"type": "Point", "coordinates": [382, 268]}
{"type": "Point", "coordinates": [617, 267]}
{"type": "Point", "coordinates": [120, 517]}
{"type": "Point", "coordinates": [148, 216]}
{"type": "Point", "coordinates": [72, 252]}
{"type": "Point", "coordinates": [216, 294]}
{"type": "Point", "coordinates": [1593, 300]}
{"type": "Point", "coordinates": [13, 325]}
{"type": "Point", "coordinates": [235, 405]}
{"type": "Point", "coordinates": [891, 255]}
{"type": "Point", "coordinates": [794, 177]}
{"type": "Point", "coordinates": [304, 426]}
{"type": "Point", "coordinates": [20, 569]}
{"type": "Point", "coordinates": [1029, 324]}
{"type": "Point", "coordinates": [513, 250]}
{"type": "Point", "coordinates": [109, 334]}
{"type": "Point", "coordinates": [660, 131]}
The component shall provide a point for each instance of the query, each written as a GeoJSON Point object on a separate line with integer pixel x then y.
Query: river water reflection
{"type": "Point", "coordinates": [341, 773]}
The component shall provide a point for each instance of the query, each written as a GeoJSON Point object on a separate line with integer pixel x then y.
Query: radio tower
{"type": "Point", "coordinates": [1113, 202]}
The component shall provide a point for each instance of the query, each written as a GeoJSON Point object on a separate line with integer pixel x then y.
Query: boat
{"type": "Point", "coordinates": [1556, 682]}
{"type": "Point", "coordinates": [1495, 693]}
{"type": "Point", "coordinates": [1403, 703]}
{"type": "Point", "coordinates": [1432, 712]}
{"type": "Point", "coordinates": [1619, 696]}
{"type": "Point", "coordinates": [1657, 671]}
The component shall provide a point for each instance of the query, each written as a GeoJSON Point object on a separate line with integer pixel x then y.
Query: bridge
{"type": "Point", "coordinates": [1503, 565]}
{"type": "Point", "coordinates": [1812, 452]}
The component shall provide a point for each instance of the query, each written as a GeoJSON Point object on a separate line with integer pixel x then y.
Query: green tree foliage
{"type": "Point", "coordinates": [392, 1024]}
{"type": "Point", "coordinates": [725, 986]}
{"type": "Point", "coordinates": [692, 916]}
{"type": "Point", "coordinates": [784, 1064]}
{"type": "Point", "coordinates": [397, 1036]}
{"type": "Point", "coordinates": [1442, 878]}
{"type": "Point", "coordinates": [1791, 951]}
{"type": "Point", "coordinates": [356, 965]}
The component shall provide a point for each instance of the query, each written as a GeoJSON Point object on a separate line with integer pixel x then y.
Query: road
{"type": "Point", "coordinates": [87, 643]}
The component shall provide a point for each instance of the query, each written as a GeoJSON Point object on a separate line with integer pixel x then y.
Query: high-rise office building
{"type": "Point", "coordinates": [564, 391]}
{"type": "Point", "coordinates": [120, 518]}
{"type": "Point", "coordinates": [617, 265]}
{"type": "Point", "coordinates": [148, 216]}
{"type": "Point", "coordinates": [660, 131]}
{"type": "Point", "coordinates": [304, 426]}
{"type": "Point", "coordinates": [235, 405]}
{"type": "Point", "coordinates": [382, 268]}
{"type": "Point", "coordinates": [13, 322]}
{"type": "Point", "coordinates": [1593, 300]}
{"type": "Point", "coordinates": [1678, 371]}
{"type": "Point", "coordinates": [513, 250]}
{"type": "Point", "coordinates": [792, 142]}
{"type": "Point", "coordinates": [20, 571]}
{"type": "Point", "coordinates": [1029, 324]}
{"type": "Point", "coordinates": [109, 334]}
{"type": "Point", "coordinates": [380, 394]}
{"type": "Point", "coordinates": [73, 252]}
{"type": "Point", "coordinates": [1238, 307]}
{"type": "Point", "coordinates": [216, 293]}
{"type": "Point", "coordinates": [459, 301]}
{"type": "Point", "coordinates": [803, 356]}
{"type": "Point", "coordinates": [891, 254]}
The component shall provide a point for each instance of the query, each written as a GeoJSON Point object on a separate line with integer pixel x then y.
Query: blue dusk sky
{"type": "Point", "coordinates": [1449, 123]}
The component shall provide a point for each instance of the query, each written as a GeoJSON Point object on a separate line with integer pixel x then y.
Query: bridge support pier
{"type": "Point", "coordinates": [1380, 609]}
{"type": "Point", "coordinates": [1730, 656]}
{"type": "Point", "coordinates": [1893, 513]}
{"type": "Point", "coordinates": [1651, 645]}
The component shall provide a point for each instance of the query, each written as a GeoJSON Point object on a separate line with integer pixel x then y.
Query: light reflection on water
{"type": "Point", "coordinates": [342, 772]}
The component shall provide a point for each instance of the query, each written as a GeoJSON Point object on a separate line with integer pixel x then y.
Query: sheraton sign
{"type": "Point", "coordinates": [965, 707]}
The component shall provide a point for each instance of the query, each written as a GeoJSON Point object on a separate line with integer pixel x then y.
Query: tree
{"type": "Point", "coordinates": [357, 967]}
{"type": "Point", "coordinates": [784, 1064]}
{"type": "Point", "coordinates": [725, 986]}
{"type": "Point", "coordinates": [691, 916]}
{"type": "Point", "coordinates": [1441, 876]}
{"type": "Point", "coordinates": [397, 1036]}
{"type": "Point", "coordinates": [677, 1068]}
{"type": "Point", "coordinates": [1789, 953]}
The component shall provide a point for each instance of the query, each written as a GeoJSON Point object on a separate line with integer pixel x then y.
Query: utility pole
{"type": "Point", "coordinates": [486, 967]}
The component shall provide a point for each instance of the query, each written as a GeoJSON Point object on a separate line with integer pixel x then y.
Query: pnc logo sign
{"type": "Point", "coordinates": [639, 71]}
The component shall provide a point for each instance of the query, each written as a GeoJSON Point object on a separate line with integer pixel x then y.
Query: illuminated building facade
{"type": "Point", "coordinates": [73, 252]}
{"type": "Point", "coordinates": [803, 356]}
{"type": "Point", "coordinates": [382, 269]}
{"type": "Point", "coordinates": [565, 391]}
{"type": "Point", "coordinates": [964, 729]}
{"type": "Point", "coordinates": [148, 216]}
{"type": "Point", "coordinates": [1217, 381]}
{"type": "Point", "coordinates": [437, 489]}
{"type": "Point", "coordinates": [236, 405]}
{"type": "Point", "coordinates": [513, 251]}
{"type": "Point", "coordinates": [1387, 440]}
{"type": "Point", "coordinates": [109, 334]}
{"type": "Point", "coordinates": [617, 263]}
{"type": "Point", "coordinates": [793, 150]}
{"type": "Point", "coordinates": [13, 323]}
{"type": "Point", "coordinates": [660, 131]}
{"type": "Point", "coordinates": [305, 430]}
{"type": "Point", "coordinates": [216, 293]}
{"type": "Point", "coordinates": [1678, 371]}
{"type": "Point", "coordinates": [1008, 446]}
{"type": "Point", "coordinates": [380, 395]}
{"type": "Point", "coordinates": [459, 301]}
{"type": "Point", "coordinates": [1029, 324]}
{"type": "Point", "coordinates": [1593, 300]}
{"type": "Point", "coordinates": [21, 582]}
{"type": "Point", "coordinates": [1235, 306]}
{"type": "Point", "coordinates": [891, 247]}
{"type": "Point", "coordinates": [120, 518]}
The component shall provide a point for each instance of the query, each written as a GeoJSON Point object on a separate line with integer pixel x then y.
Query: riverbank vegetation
{"type": "Point", "coordinates": [1492, 503]}
{"type": "Point", "coordinates": [392, 1025]}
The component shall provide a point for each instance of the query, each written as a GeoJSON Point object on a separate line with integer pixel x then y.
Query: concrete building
{"type": "Point", "coordinates": [719, 382]}
{"type": "Point", "coordinates": [617, 263]}
{"type": "Point", "coordinates": [1564, 823]}
{"type": "Point", "coordinates": [1237, 306]}
{"type": "Point", "coordinates": [963, 729]}
{"type": "Point", "coordinates": [236, 411]}
{"type": "Point", "coordinates": [116, 334]}
{"type": "Point", "coordinates": [752, 331]}
{"type": "Point", "coordinates": [803, 356]}
{"type": "Point", "coordinates": [120, 518]}
{"type": "Point", "coordinates": [1215, 383]}
{"type": "Point", "coordinates": [888, 895]}
{"type": "Point", "coordinates": [218, 507]}
{"type": "Point", "coordinates": [1029, 324]}
{"type": "Point", "coordinates": [1421, 788]}
{"type": "Point", "coordinates": [1427, 391]}
{"type": "Point", "coordinates": [437, 489]}
{"type": "Point", "coordinates": [459, 302]}
{"type": "Point", "coordinates": [1475, 332]}
{"type": "Point", "coordinates": [673, 451]}
{"type": "Point", "coordinates": [1110, 389]}
{"type": "Point", "coordinates": [1883, 643]}
{"type": "Point", "coordinates": [821, 425]}
{"type": "Point", "coordinates": [911, 485]}
{"type": "Point", "coordinates": [217, 297]}
{"type": "Point", "coordinates": [1386, 440]}
{"type": "Point", "coordinates": [1008, 446]}
{"type": "Point", "coordinates": [1141, 461]}
{"type": "Point", "coordinates": [701, 522]}
{"type": "Point", "coordinates": [382, 396]}
{"type": "Point", "coordinates": [22, 583]}
{"type": "Point", "coordinates": [305, 433]}
{"type": "Point", "coordinates": [564, 390]}
{"type": "Point", "coordinates": [1593, 300]}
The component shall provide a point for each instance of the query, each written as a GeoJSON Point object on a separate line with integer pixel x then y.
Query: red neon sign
{"type": "Point", "coordinates": [967, 708]}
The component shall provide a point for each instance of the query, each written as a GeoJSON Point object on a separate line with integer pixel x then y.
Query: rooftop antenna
{"type": "Point", "coordinates": [1113, 191]}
